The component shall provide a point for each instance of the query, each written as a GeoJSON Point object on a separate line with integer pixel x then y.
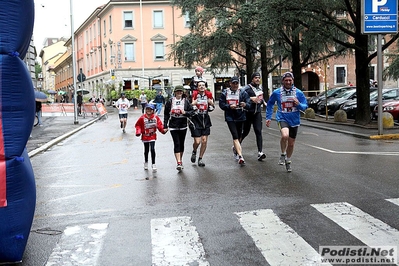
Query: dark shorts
{"type": "Point", "coordinates": [293, 131]}
{"type": "Point", "coordinates": [122, 116]}
{"type": "Point", "coordinates": [196, 133]}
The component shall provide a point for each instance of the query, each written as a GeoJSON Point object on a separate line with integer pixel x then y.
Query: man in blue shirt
{"type": "Point", "coordinates": [290, 101]}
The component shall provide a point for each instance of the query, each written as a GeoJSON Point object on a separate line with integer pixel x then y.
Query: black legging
{"type": "Point", "coordinates": [147, 146]}
{"type": "Point", "coordinates": [254, 119]}
{"type": "Point", "coordinates": [178, 136]}
{"type": "Point", "coordinates": [143, 107]}
{"type": "Point", "coordinates": [235, 128]}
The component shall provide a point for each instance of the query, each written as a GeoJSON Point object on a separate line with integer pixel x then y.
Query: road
{"type": "Point", "coordinates": [96, 205]}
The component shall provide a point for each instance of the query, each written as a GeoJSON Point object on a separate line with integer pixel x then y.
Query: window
{"type": "Point", "coordinates": [105, 56]}
{"type": "Point", "coordinates": [159, 51]}
{"type": "Point", "coordinates": [158, 19]}
{"type": "Point", "coordinates": [128, 19]}
{"type": "Point", "coordinates": [110, 24]}
{"type": "Point", "coordinates": [372, 70]}
{"type": "Point", "coordinates": [187, 20]}
{"type": "Point", "coordinates": [340, 75]}
{"type": "Point", "coordinates": [105, 27]}
{"type": "Point", "coordinates": [129, 52]}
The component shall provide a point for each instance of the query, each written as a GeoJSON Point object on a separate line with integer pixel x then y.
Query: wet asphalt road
{"type": "Point", "coordinates": [96, 176]}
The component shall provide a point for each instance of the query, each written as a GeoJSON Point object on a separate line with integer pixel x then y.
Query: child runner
{"type": "Point", "coordinates": [147, 126]}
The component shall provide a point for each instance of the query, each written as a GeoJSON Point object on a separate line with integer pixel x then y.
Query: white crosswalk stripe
{"type": "Point", "coordinates": [279, 243]}
{"type": "Point", "coordinates": [79, 245]}
{"type": "Point", "coordinates": [175, 241]}
{"type": "Point", "coordinates": [366, 228]}
{"type": "Point", "coordinates": [394, 201]}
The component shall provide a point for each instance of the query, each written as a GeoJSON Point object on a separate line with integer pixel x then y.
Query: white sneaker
{"type": "Point", "coordinates": [281, 161]}
{"type": "Point", "coordinates": [261, 156]}
{"type": "Point", "coordinates": [145, 166]}
{"type": "Point", "coordinates": [154, 168]}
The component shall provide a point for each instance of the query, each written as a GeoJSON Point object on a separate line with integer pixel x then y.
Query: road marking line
{"type": "Point", "coordinates": [390, 153]}
{"type": "Point", "coordinates": [371, 231]}
{"type": "Point", "coordinates": [79, 245]}
{"type": "Point", "coordinates": [175, 241]}
{"type": "Point", "coordinates": [278, 242]}
{"type": "Point", "coordinates": [394, 201]}
{"type": "Point", "coordinates": [92, 212]}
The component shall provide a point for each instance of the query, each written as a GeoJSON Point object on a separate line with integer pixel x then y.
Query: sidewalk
{"type": "Point", "coordinates": [54, 130]}
{"type": "Point", "coordinates": [57, 128]}
{"type": "Point", "coordinates": [368, 131]}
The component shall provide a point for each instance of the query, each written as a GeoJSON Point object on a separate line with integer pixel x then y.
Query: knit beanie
{"type": "Point", "coordinates": [256, 74]}
{"type": "Point", "coordinates": [287, 74]}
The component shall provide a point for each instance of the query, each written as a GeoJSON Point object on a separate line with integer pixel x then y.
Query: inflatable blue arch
{"type": "Point", "coordinates": [17, 111]}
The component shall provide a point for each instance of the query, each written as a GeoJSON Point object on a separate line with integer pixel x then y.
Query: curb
{"type": "Point", "coordinates": [60, 138]}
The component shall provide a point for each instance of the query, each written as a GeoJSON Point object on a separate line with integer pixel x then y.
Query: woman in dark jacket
{"type": "Point", "coordinates": [234, 102]}
{"type": "Point", "coordinates": [177, 109]}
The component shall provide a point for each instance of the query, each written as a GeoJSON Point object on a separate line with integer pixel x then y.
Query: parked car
{"type": "Point", "coordinates": [391, 107]}
{"type": "Point", "coordinates": [334, 103]}
{"type": "Point", "coordinates": [350, 107]}
{"type": "Point", "coordinates": [313, 101]}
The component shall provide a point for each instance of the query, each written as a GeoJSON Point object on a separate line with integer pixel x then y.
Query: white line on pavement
{"type": "Point", "coordinates": [279, 243]}
{"type": "Point", "coordinates": [363, 226]}
{"type": "Point", "coordinates": [390, 153]}
{"type": "Point", "coordinates": [175, 241]}
{"type": "Point", "coordinates": [79, 245]}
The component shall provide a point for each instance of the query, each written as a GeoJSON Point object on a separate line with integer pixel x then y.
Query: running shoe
{"type": "Point", "coordinates": [288, 166]}
{"type": "Point", "coordinates": [201, 163]}
{"type": "Point", "coordinates": [193, 156]}
{"type": "Point", "coordinates": [123, 130]}
{"type": "Point", "coordinates": [281, 161]}
{"type": "Point", "coordinates": [154, 168]}
{"type": "Point", "coordinates": [234, 152]}
{"type": "Point", "coordinates": [241, 160]}
{"type": "Point", "coordinates": [179, 167]}
{"type": "Point", "coordinates": [145, 166]}
{"type": "Point", "coordinates": [261, 156]}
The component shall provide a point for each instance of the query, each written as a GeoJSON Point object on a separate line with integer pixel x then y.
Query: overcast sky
{"type": "Point", "coordinates": [53, 18]}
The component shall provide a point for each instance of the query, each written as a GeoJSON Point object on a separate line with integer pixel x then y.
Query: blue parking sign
{"type": "Point", "coordinates": [379, 16]}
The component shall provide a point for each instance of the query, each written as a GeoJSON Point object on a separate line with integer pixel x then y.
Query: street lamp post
{"type": "Point", "coordinates": [75, 110]}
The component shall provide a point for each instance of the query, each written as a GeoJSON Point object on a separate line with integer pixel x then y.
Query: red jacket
{"type": "Point", "coordinates": [147, 127]}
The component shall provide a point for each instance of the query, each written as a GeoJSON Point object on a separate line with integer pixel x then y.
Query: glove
{"type": "Point", "coordinates": [211, 108]}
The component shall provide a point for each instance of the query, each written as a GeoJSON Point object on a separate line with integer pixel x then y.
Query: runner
{"type": "Point", "coordinates": [234, 101]}
{"type": "Point", "coordinates": [176, 111]}
{"type": "Point", "coordinates": [254, 114]}
{"type": "Point", "coordinates": [147, 126]}
{"type": "Point", "coordinates": [123, 104]}
{"type": "Point", "coordinates": [290, 101]}
{"type": "Point", "coordinates": [201, 127]}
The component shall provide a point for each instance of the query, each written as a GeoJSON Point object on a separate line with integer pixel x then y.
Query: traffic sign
{"type": "Point", "coordinates": [379, 16]}
{"type": "Point", "coordinates": [81, 77]}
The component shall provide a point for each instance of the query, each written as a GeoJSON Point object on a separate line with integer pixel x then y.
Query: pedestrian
{"type": "Point", "coordinates": [234, 102]}
{"type": "Point", "coordinates": [39, 113]}
{"type": "Point", "coordinates": [143, 101]}
{"type": "Point", "coordinates": [147, 126]}
{"type": "Point", "coordinates": [290, 101]}
{"type": "Point", "coordinates": [254, 113]}
{"type": "Point", "coordinates": [159, 100]}
{"type": "Point", "coordinates": [123, 105]}
{"type": "Point", "coordinates": [101, 100]}
{"type": "Point", "coordinates": [93, 99]}
{"type": "Point", "coordinates": [79, 100]}
{"type": "Point", "coordinates": [201, 122]}
{"type": "Point", "coordinates": [176, 111]}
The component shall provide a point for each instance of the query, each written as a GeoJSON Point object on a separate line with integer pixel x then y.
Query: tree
{"type": "Point", "coordinates": [38, 69]}
{"type": "Point", "coordinates": [345, 32]}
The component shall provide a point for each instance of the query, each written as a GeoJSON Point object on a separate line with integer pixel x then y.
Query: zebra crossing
{"type": "Point", "coordinates": [176, 240]}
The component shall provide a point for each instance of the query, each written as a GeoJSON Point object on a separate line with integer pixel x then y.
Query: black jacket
{"type": "Point", "coordinates": [177, 122]}
{"type": "Point", "coordinates": [254, 107]}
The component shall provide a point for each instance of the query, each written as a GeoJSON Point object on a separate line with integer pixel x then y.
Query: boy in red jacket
{"type": "Point", "coordinates": [147, 126]}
